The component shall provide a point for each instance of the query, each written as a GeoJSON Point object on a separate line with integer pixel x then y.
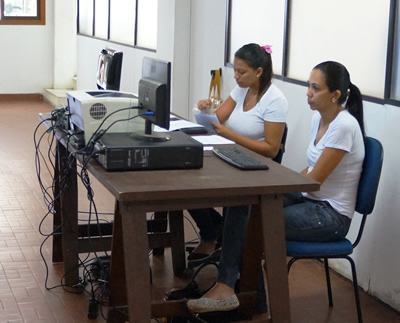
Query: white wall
{"type": "Point", "coordinates": [33, 58]}
{"type": "Point", "coordinates": [26, 56]}
{"type": "Point", "coordinates": [377, 256]}
{"type": "Point", "coordinates": [64, 50]}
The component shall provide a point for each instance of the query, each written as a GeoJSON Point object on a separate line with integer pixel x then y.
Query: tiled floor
{"type": "Point", "coordinates": [23, 296]}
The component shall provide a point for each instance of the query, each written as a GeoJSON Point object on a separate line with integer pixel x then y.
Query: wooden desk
{"type": "Point", "coordinates": [139, 192]}
{"type": "Point", "coordinates": [216, 184]}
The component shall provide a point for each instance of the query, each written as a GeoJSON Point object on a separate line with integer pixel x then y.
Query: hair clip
{"type": "Point", "coordinates": [267, 48]}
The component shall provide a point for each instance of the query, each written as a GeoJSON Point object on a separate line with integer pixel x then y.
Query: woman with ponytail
{"type": "Point", "coordinates": [253, 116]}
{"type": "Point", "coordinates": [335, 156]}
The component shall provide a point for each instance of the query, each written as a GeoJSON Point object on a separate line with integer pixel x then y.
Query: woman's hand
{"type": "Point", "coordinates": [204, 104]}
{"type": "Point", "coordinates": [222, 130]}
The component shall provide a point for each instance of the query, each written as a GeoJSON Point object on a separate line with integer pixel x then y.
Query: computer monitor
{"type": "Point", "coordinates": [109, 69]}
{"type": "Point", "coordinates": [155, 92]}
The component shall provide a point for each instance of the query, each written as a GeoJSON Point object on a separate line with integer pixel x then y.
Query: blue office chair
{"type": "Point", "coordinates": [366, 195]}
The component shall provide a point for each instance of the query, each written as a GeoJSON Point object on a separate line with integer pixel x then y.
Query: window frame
{"type": "Point", "coordinates": [387, 97]}
{"type": "Point", "coordinates": [39, 19]}
{"type": "Point", "coordinates": [393, 21]}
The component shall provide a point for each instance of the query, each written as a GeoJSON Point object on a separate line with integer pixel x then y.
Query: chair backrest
{"type": "Point", "coordinates": [371, 173]}
{"type": "Point", "coordinates": [278, 158]}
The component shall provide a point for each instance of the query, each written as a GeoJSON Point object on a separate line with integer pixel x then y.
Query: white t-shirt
{"type": "Point", "coordinates": [271, 107]}
{"type": "Point", "coordinates": [340, 187]}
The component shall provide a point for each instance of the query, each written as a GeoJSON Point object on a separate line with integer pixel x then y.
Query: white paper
{"type": "Point", "coordinates": [212, 140]}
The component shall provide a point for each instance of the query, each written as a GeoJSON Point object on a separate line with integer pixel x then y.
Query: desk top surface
{"type": "Point", "coordinates": [215, 179]}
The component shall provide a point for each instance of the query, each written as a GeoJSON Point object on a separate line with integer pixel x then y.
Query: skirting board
{"type": "Point", "coordinates": [21, 97]}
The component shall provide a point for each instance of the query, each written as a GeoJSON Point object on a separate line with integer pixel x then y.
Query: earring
{"type": "Point", "coordinates": [333, 100]}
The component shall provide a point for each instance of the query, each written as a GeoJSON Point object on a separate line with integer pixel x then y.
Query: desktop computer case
{"type": "Point", "coordinates": [127, 151]}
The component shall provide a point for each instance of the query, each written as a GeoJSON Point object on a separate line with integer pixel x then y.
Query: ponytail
{"type": "Point", "coordinates": [354, 105]}
{"type": "Point", "coordinates": [266, 76]}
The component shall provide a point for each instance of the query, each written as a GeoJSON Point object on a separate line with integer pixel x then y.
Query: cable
{"type": "Point", "coordinates": [89, 150]}
{"type": "Point", "coordinates": [108, 116]}
{"type": "Point", "coordinates": [52, 195]}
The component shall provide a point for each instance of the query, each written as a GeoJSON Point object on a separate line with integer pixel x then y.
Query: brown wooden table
{"type": "Point", "coordinates": [216, 184]}
{"type": "Point", "coordinates": [139, 192]}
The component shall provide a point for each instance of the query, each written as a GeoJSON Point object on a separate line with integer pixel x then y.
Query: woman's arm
{"type": "Point", "coordinates": [326, 163]}
{"type": "Point", "coordinates": [269, 147]}
{"type": "Point", "coordinates": [225, 109]}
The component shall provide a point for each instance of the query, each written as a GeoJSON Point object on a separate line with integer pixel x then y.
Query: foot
{"type": "Point", "coordinates": [220, 291]}
{"type": "Point", "coordinates": [206, 247]}
{"type": "Point", "coordinates": [203, 250]}
{"type": "Point", "coordinates": [220, 298]}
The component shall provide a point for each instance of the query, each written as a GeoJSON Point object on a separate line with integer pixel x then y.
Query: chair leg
{"type": "Point", "coordinates": [355, 286]}
{"type": "Point", "coordinates": [162, 224]}
{"type": "Point", "coordinates": [328, 281]}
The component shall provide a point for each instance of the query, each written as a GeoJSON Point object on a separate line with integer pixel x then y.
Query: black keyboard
{"type": "Point", "coordinates": [239, 158]}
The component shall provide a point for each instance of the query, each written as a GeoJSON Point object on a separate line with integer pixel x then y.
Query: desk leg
{"type": "Point", "coordinates": [117, 276]}
{"type": "Point", "coordinates": [251, 263]}
{"type": "Point", "coordinates": [57, 255]}
{"type": "Point", "coordinates": [69, 216]}
{"type": "Point", "coordinates": [136, 256]}
{"type": "Point", "coordinates": [273, 228]}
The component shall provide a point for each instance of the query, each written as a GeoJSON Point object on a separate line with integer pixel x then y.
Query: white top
{"type": "Point", "coordinates": [340, 187]}
{"type": "Point", "coordinates": [271, 107]}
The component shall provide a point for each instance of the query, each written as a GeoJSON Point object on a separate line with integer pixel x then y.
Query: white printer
{"type": "Point", "coordinates": [90, 108]}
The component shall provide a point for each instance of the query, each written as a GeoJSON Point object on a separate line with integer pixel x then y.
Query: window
{"type": "Point", "coordinates": [85, 17]}
{"type": "Point", "coordinates": [22, 12]}
{"type": "Point", "coordinates": [146, 24]}
{"type": "Point", "coordinates": [363, 35]}
{"type": "Point", "coordinates": [122, 21]}
{"type": "Point", "coordinates": [358, 29]}
{"type": "Point", "coordinates": [101, 23]}
{"type": "Point", "coordinates": [129, 22]}
{"type": "Point", "coordinates": [262, 26]}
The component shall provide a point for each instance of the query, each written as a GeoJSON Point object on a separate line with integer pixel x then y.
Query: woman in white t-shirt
{"type": "Point", "coordinates": [334, 156]}
{"type": "Point", "coordinates": [254, 116]}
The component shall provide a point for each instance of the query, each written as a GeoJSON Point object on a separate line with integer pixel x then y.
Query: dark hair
{"type": "Point", "coordinates": [338, 78]}
{"type": "Point", "coordinates": [255, 56]}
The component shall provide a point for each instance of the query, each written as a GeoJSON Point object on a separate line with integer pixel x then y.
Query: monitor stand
{"type": "Point", "coordinates": [150, 136]}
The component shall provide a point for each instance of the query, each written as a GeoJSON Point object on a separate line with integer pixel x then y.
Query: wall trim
{"type": "Point", "coordinates": [21, 97]}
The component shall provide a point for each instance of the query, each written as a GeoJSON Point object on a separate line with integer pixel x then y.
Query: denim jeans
{"type": "Point", "coordinates": [310, 220]}
{"type": "Point", "coordinates": [209, 222]}
{"type": "Point", "coordinates": [305, 220]}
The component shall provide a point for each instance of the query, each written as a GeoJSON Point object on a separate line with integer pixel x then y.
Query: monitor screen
{"type": "Point", "coordinates": [155, 92]}
{"type": "Point", "coordinates": [109, 69]}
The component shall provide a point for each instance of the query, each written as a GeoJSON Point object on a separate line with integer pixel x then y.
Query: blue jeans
{"type": "Point", "coordinates": [209, 222]}
{"type": "Point", "coordinates": [305, 220]}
